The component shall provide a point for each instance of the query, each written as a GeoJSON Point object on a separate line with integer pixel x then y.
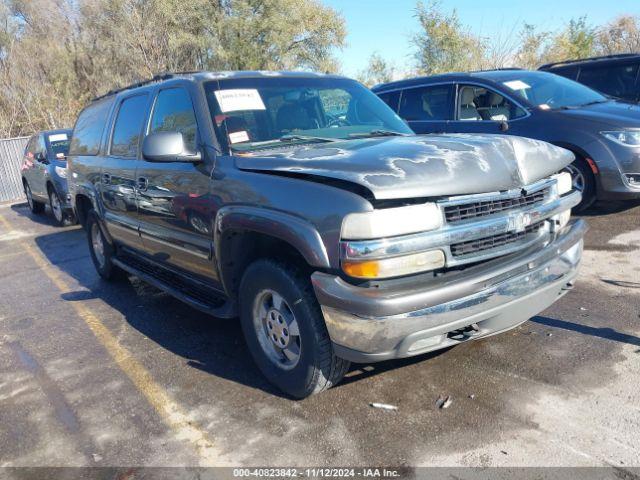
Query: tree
{"type": "Point", "coordinates": [378, 71]}
{"type": "Point", "coordinates": [621, 35]}
{"type": "Point", "coordinates": [442, 44]}
{"type": "Point", "coordinates": [576, 40]}
{"type": "Point", "coordinates": [533, 45]}
{"type": "Point", "coordinates": [55, 55]}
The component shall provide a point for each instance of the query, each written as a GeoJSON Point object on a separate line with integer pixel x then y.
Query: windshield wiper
{"type": "Point", "coordinates": [378, 133]}
{"type": "Point", "coordinates": [310, 138]}
{"type": "Point", "coordinates": [594, 102]}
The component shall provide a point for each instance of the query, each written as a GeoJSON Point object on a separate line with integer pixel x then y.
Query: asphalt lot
{"type": "Point", "coordinates": [93, 373]}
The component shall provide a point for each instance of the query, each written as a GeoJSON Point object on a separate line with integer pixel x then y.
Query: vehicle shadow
{"type": "Point", "coordinates": [44, 218]}
{"type": "Point", "coordinates": [605, 333]}
{"type": "Point", "coordinates": [607, 208]}
{"type": "Point", "coordinates": [212, 345]}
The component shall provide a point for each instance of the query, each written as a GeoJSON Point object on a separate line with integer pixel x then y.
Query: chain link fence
{"type": "Point", "coordinates": [11, 152]}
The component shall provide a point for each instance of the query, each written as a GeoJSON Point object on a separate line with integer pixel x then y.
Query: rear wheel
{"type": "Point", "coordinates": [285, 330]}
{"type": "Point", "coordinates": [102, 252]}
{"type": "Point", "coordinates": [584, 181]}
{"type": "Point", "coordinates": [34, 205]}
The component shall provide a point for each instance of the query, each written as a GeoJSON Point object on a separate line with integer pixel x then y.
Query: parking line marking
{"type": "Point", "coordinates": [160, 400]}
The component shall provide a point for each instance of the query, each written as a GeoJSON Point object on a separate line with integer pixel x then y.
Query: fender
{"type": "Point", "coordinates": [300, 234]}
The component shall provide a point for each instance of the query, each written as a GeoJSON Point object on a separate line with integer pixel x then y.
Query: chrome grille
{"type": "Point", "coordinates": [494, 241]}
{"type": "Point", "coordinates": [482, 208]}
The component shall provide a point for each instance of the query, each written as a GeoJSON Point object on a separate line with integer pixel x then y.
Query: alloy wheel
{"type": "Point", "coordinates": [277, 329]}
{"type": "Point", "coordinates": [98, 244]}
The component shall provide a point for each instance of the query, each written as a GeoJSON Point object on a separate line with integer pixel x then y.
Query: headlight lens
{"type": "Point", "coordinates": [395, 266]}
{"type": "Point", "coordinates": [564, 182]}
{"type": "Point", "coordinates": [628, 138]}
{"type": "Point", "coordinates": [62, 172]}
{"type": "Point", "coordinates": [390, 222]}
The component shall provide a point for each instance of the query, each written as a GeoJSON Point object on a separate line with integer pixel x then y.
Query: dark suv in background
{"type": "Point", "coordinates": [603, 134]}
{"type": "Point", "coordinates": [303, 204]}
{"type": "Point", "coordinates": [614, 75]}
{"type": "Point", "coordinates": [44, 174]}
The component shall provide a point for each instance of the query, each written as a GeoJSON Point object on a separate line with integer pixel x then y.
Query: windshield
{"type": "Point", "coordinates": [59, 144]}
{"type": "Point", "coordinates": [549, 91]}
{"type": "Point", "coordinates": [252, 113]}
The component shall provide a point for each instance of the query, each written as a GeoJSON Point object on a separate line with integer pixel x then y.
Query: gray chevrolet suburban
{"type": "Point", "coordinates": [306, 207]}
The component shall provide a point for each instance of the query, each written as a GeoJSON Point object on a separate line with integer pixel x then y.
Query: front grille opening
{"type": "Point", "coordinates": [495, 241]}
{"type": "Point", "coordinates": [465, 211]}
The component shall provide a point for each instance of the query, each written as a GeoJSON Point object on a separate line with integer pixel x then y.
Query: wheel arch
{"type": "Point", "coordinates": [244, 234]}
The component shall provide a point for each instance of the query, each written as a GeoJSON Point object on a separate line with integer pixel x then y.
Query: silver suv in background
{"type": "Point", "coordinates": [44, 174]}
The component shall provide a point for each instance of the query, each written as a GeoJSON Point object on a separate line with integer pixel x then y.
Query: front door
{"type": "Point", "coordinates": [427, 109]}
{"type": "Point", "coordinates": [174, 204]}
{"type": "Point", "coordinates": [479, 109]}
{"type": "Point", "coordinates": [118, 179]}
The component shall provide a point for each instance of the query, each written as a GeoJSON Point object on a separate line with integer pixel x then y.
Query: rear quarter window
{"type": "Point", "coordinates": [89, 127]}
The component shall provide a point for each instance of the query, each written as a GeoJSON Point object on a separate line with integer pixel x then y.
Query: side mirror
{"type": "Point", "coordinates": [167, 147]}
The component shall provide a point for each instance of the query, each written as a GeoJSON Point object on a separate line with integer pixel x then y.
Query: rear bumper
{"type": "Point", "coordinates": [368, 325]}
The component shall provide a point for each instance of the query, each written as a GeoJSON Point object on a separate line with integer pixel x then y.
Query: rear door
{"type": "Point", "coordinates": [427, 109]}
{"type": "Point", "coordinates": [118, 177]}
{"type": "Point", "coordinates": [174, 204]}
{"type": "Point", "coordinates": [38, 180]}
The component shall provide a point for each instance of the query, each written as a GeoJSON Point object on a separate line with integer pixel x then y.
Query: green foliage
{"type": "Point", "coordinates": [378, 71]}
{"type": "Point", "coordinates": [443, 45]}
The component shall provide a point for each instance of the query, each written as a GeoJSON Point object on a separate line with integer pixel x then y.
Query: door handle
{"type": "Point", "coordinates": [106, 178]}
{"type": "Point", "coordinates": [142, 183]}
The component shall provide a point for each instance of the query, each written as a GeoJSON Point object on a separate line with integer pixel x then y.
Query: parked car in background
{"type": "Point", "coordinates": [614, 75]}
{"type": "Point", "coordinates": [603, 134]}
{"type": "Point", "coordinates": [44, 174]}
{"type": "Point", "coordinates": [303, 204]}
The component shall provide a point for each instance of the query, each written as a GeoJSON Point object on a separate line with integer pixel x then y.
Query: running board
{"type": "Point", "coordinates": [194, 293]}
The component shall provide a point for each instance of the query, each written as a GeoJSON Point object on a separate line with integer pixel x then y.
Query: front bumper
{"type": "Point", "coordinates": [369, 324]}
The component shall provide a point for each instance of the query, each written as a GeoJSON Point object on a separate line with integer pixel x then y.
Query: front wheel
{"type": "Point", "coordinates": [285, 331]}
{"type": "Point", "coordinates": [102, 252]}
{"type": "Point", "coordinates": [61, 217]}
{"type": "Point", "coordinates": [582, 180]}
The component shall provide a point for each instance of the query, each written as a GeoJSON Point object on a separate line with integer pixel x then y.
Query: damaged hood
{"type": "Point", "coordinates": [419, 166]}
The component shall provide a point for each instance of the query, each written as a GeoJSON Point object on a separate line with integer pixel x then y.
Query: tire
{"type": "Point", "coordinates": [316, 367]}
{"type": "Point", "coordinates": [582, 179]}
{"type": "Point", "coordinates": [35, 206]}
{"type": "Point", "coordinates": [102, 252]}
{"type": "Point", "coordinates": [61, 217]}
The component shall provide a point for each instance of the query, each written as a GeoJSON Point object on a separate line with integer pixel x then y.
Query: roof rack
{"type": "Point", "coordinates": [600, 57]}
{"type": "Point", "coordinates": [156, 78]}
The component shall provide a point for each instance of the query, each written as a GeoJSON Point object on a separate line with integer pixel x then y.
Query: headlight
{"type": "Point", "coordinates": [564, 182]}
{"type": "Point", "coordinates": [390, 222]}
{"type": "Point", "coordinates": [395, 266]}
{"type": "Point", "coordinates": [62, 172]}
{"type": "Point", "coordinates": [628, 138]}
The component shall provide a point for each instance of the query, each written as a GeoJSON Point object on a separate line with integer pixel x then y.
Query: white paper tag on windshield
{"type": "Point", "coordinates": [58, 137]}
{"type": "Point", "coordinates": [237, 137]}
{"type": "Point", "coordinates": [517, 85]}
{"type": "Point", "coordinates": [239, 99]}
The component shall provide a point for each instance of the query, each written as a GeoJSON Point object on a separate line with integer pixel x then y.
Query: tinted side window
{"type": "Point", "coordinates": [173, 112]}
{"type": "Point", "coordinates": [616, 80]}
{"type": "Point", "coordinates": [392, 99]}
{"type": "Point", "coordinates": [426, 103]}
{"type": "Point", "coordinates": [30, 150]}
{"type": "Point", "coordinates": [569, 72]}
{"type": "Point", "coordinates": [87, 132]}
{"type": "Point", "coordinates": [128, 126]}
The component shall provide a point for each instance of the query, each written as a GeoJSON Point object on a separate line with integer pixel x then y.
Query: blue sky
{"type": "Point", "coordinates": [386, 26]}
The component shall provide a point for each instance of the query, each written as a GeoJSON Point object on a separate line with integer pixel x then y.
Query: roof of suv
{"type": "Point", "coordinates": [201, 76]}
{"type": "Point", "coordinates": [579, 61]}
